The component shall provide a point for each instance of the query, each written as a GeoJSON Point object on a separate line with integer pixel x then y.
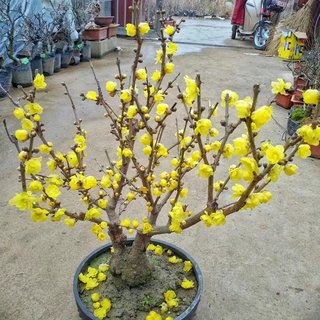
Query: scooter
{"type": "Point", "coordinates": [252, 19]}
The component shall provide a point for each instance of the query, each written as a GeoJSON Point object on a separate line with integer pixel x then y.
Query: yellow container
{"type": "Point", "coordinates": [292, 45]}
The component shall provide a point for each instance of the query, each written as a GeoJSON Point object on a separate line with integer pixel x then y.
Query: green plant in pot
{"type": "Point", "coordinates": [161, 146]}
{"type": "Point", "coordinates": [11, 17]}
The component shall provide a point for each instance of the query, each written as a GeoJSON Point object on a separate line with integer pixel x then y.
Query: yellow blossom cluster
{"type": "Point", "coordinates": [94, 276]}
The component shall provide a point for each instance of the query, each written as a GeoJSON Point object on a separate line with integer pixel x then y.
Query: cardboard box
{"type": "Point", "coordinates": [292, 45]}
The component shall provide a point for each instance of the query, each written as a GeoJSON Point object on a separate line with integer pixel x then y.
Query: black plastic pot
{"type": "Point", "coordinates": [188, 314]}
{"type": "Point", "coordinates": [57, 62]}
{"type": "Point", "coordinates": [48, 65]}
{"type": "Point", "coordinates": [66, 59]}
{"type": "Point", "coordinates": [5, 81]}
{"type": "Point", "coordinates": [86, 53]}
{"type": "Point", "coordinates": [22, 75]}
{"type": "Point", "coordinates": [36, 64]}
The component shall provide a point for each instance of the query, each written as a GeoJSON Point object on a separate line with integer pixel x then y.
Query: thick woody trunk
{"type": "Point", "coordinates": [132, 265]}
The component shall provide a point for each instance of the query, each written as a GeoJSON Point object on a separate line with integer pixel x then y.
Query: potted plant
{"type": "Point", "coordinates": [11, 16]}
{"type": "Point", "coordinates": [146, 170]}
{"type": "Point", "coordinates": [5, 78]}
{"type": "Point", "coordinates": [283, 91]}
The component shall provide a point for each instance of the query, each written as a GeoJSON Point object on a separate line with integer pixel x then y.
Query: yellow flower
{"type": "Point", "coordinates": [229, 97]}
{"type": "Point", "coordinates": [135, 224]}
{"type": "Point", "coordinates": [39, 215]}
{"type": "Point", "coordinates": [39, 82]}
{"type": "Point", "coordinates": [141, 74]}
{"type": "Point", "coordinates": [45, 149]}
{"type": "Point", "coordinates": [290, 169]}
{"type": "Point", "coordinates": [70, 222]}
{"type": "Point", "coordinates": [126, 152]}
{"type": "Point", "coordinates": [156, 76]}
{"type": "Point", "coordinates": [81, 144]}
{"type": "Point", "coordinates": [58, 215]}
{"type": "Point", "coordinates": [101, 277]}
{"type": "Point", "coordinates": [184, 192]}
{"type": "Point", "coordinates": [89, 182]}
{"type": "Point", "coordinates": [238, 190]}
{"type": "Point", "coordinates": [26, 124]}
{"type": "Point", "coordinates": [235, 173]}
{"type": "Point", "coordinates": [35, 186]}
{"type": "Point", "coordinates": [228, 151]}
{"type": "Point", "coordinates": [126, 96]}
{"type": "Point", "coordinates": [33, 108]}
{"type": "Point", "coordinates": [215, 146]}
{"type": "Point", "coordinates": [147, 150]}
{"type": "Point", "coordinates": [214, 132]}
{"type": "Point", "coordinates": [174, 260]}
{"type": "Point", "coordinates": [218, 184]}
{"type": "Point", "coordinates": [95, 297]}
{"type": "Point", "coordinates": [205, 171]}
{"type": "Point", "coordinates": [103, 267]}
{"type": "Point", "coordinates": [93, 213]}
{"type": "Point", "coordinates": [125, 223]}
{"type": "Point", "coordinates": [36, 118]}
{"type": "Point", "coordinates": [261, 116]}
{"type": "Point", "coordinates": [187, 284]}
{"type": "Point", "coordinates": [146, 226]}
{"type": "Point", "coordinates": [169, 30]}
{"type": "Point", "coordinates": [158, 250]}
{"type": "Point", "coordinates": [131, 30]}
{"type": "Point", "coordinates": [158, 59]}
{"type": "Point", "coordinates": [309, 135]}
{"type": "Point", "coordinates": [162, 151]}
{"type": "Point", "coordinates": [214, 218]}
{"type": "Point", "coordinates": [162, 108]}
{"type": "Point", "coordinates": [153, 316]}
{"type": "Point", "coordinates": [111, 86]}
{"type": "Point", "coordinates": [304, 151]}
{"type": "Point", "coordinates": [23, 200]}
{"type": "Point", "coordinates": [102, 203]}
{"type": "Point", "coordinates": [102, 236]}
{"type": "Point", "coordinates": [18, 113]}
{"type": "Point", "coordinates": [159, 96]}
{"type": "Point", "coordinates": [171, 299]}
{"type": "Point", "coordinates": [250, 165]}
{"type": "Point", "coordinates": [96, 228]}
{"type": "Point", "coordinates": [22, 135]}
{"type": "Point", "coordinates": [100, 313]}
{"type": "Point", "coordinates": [143, 28]}
{"type": "Point", "coordinates": [151, 247]}
{"type": "Point", "coordinates": [171, 48]}
{"type": "Point", "coordinates": [52, 191]}
{"type": "Point", "coordinates": [33, 166]}
{"type": "Point", "coordinates": [146, 139]}
{"type": "Point", "coordinates": [275, 154]}
{"type": "Point", "coordinates": [311, 96]}
{"type": "Point", "coordinates": [52, 165]}
{"type": "Point", "coordinates": [168, 68]}
{"type": "Point", "coordinates": [243, 108]}
{"type": "Point", "coordinates": [106, 304]}
{"type": "Point", "coordinates": [203, 127]}
{"type": "Point", "coordinates": [275, 173]}
{"type": "Point", "coordinates": [187, 266]}
{"type": "Point", "coordinates": [241, 146]}
{"type": "Point", "coordinates": [92, 95]}
{"type": "Point", "coordinates": [280, 86]}
{"type": "Point", "coordinates": [131, 196]}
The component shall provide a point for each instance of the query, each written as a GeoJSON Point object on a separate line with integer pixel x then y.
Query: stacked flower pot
{"type": "Point", "coordinates": [105, 30]}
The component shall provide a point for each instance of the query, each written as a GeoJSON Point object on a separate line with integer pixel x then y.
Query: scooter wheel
{"type": "Point", "coordinates": [261, 36]}
{"type": "Point", "coordinates": [234, 31]}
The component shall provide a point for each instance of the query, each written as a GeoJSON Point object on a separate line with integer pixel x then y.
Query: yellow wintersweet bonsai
{"type": "Point", "coordinates": [201, 143]}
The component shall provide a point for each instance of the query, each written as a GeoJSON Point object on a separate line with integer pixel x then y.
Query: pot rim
{"type": "Point", "coordinates": [180, 252]}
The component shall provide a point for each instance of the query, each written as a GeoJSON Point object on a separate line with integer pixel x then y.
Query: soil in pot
{"type": "Point", "coordinates": [5, 81]}
{"type": "Point", "coordinates": [136, 303]}
{"type": "Point", "coordinates": [22, 75]}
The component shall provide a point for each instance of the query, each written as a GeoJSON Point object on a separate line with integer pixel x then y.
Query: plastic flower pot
{"type": "Point", "coordinates": [57, 62]}
{"type": "Point", "coordinates": [284, 100]}
{"type": "Point", "coordinates": [113, 30]}
{"type": "Point", "coordinates": [75, 60]}
{"type": "Point", "coordinates": [86, 53]}
{"type": "Point", "coordinates": [48, 65]}
{"type": "Point", "coordinates": [85, 314]}
{"type": "Point", "coordinates": [66, 59]}
{"type": "Point", "coordinates": [103, 21]}
{"type": "Point", "coordinates": [36, 66]}
{"type": "Point", "coordinates": [96, 34]}
{"type": "Point", "coordinates": [5, 81]}
{"type": "Point", "coordinates": [22, 75]}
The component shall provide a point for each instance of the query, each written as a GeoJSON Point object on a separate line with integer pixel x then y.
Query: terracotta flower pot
{"type": "Point", "coordinates": [284, 100]}
{"type": "Point", "coordinates": [112, 30]}
{"type": "Point", "coordinates": [315, 151]}
{"type": "Point", "coordinates": [188, 314]}
{"type": "Point", "coordinates": [103, 21]}
{"type": "Point", "coordinates": [95, 34]}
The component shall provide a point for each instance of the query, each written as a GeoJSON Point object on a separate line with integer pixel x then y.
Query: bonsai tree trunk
{"type": "Point", "coordinates": [131, 264]}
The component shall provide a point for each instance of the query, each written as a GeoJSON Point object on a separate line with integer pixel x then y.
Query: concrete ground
{"type": "Point", "coordinates": [262, 265]}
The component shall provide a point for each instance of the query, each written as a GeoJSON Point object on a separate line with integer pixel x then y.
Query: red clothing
{"type": "Point", "coordinates": [238, 12]}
